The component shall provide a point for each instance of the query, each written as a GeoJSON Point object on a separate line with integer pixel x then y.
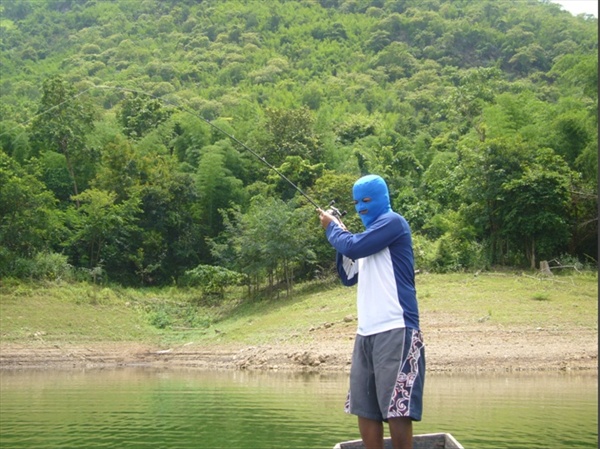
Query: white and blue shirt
{"type": "Point", "coordinates": [381, 261]}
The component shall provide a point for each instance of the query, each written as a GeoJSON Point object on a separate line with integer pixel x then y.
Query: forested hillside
{"type": "Point", "coordinates": [116, 165]}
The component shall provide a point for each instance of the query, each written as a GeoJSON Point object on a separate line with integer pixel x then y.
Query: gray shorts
{"type": "Point", "coordinates": [387, 375]}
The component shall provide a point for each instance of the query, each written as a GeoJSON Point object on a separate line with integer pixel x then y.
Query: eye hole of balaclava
{"type": "Point", "coordinates": [371, 198]}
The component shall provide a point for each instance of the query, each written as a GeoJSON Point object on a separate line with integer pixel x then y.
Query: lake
{"type": "Point", "coordinates": [180, 409]}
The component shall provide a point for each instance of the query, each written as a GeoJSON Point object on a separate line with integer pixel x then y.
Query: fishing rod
{"type": "Point", "coordinates": [331, 209]}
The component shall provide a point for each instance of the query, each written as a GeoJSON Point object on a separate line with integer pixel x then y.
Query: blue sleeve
{"type": "Point", "coordinates": [378, 236]}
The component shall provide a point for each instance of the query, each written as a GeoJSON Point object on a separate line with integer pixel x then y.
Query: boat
{"type": "Point", "coordinates": [425, 441]}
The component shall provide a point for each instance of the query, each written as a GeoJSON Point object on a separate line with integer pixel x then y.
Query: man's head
{"type": "Point", "coordinates": [371, 198]}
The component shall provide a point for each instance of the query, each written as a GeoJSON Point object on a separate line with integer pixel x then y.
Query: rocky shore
{"type": "Point", "coordinates": [479, 348]}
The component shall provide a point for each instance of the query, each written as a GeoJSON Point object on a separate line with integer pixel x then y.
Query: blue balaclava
{"type": "Point", "coordinates": [371, 187]}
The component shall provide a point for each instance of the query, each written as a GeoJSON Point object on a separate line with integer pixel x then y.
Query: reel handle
{"type": "Point", "coordinates": [336, 213]}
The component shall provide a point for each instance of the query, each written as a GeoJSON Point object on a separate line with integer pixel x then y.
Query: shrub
{"type": "Point", "coordinates": [424, 252]}
{"type": "Point", "coordinates": [43, 266]}
{"type": "Point", "coordinates": [50, 266]}
{"type": "Point", "coordinates": [211, 280]}
{"type": "Point", "coordinates": [448, 253]}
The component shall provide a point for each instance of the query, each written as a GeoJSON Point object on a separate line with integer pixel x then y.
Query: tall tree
{"type": "Point", "coordinates": [267, 243]}
{"type": "Point", "coordinates": [99, 224]}
{"type": "Point", "coordinates": [535, 207]}
{"type": "Point", "coordinates": [217, 187]}
{"type": "Point", "coordinates": [61, 125]}
{"type": "Point", "coordinates": [167, 238]}
{"type": "Point", "coordinates": [483, 172]}
{"type": "Point", "coordinates": [30, 221]}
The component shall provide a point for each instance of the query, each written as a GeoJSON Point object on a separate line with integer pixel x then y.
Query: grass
{"type": "Point", "coordinates": [73, 313]}
{"type": "Point", "coordinates": [35, 313]}
{"type": "Point", "coordinates": [513, 298]}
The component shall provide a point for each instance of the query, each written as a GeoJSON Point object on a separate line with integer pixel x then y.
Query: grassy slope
{"type": "Point", "coordinates": [79, 313]}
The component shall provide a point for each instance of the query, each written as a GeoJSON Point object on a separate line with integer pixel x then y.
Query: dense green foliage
{"type": "Point", "coordinates": [481, 115]}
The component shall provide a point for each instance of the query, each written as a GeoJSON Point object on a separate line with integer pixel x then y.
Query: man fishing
{"type": "Point", "coordinates": [388, 362]}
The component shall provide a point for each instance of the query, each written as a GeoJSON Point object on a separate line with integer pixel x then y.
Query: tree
{"type": "Point", "coordinates": [477, 88]}
{"type": "Point", "coordinates": [120, 169]}
{"type": "Point", "coordinates": [535, 209]}
{"type": "Point", "coordinates": [480, 178]}
{"type": "Point", "coordinates": [571, 135]}
{"type": "Point", "coordinates": [378, 40]}
{"type": "Point", "coordinates": [290, 133]}
{"type": "Point", "coordinates": [580, 71]}
{"type": "Point", "coordinates": [141, 113]}
{"type": "Point", "coordinates": [61, 125]}
{"type": "Point", "coordinates": [449, 101]}
{"type": "Point", "coordinates": [298, 171]}
{"type": "Point", "coordinates": [190, 134]}
{"type": "Point", "coordinates": [268, 242]}
{"type": "Point", "coordinates": [171, 237]}
{"type": "Point", "coordinates": [355, 127]}
{"type": "Point", "coordinates": [168, 237]}
{"type": "Point", "coordinates": [13, 140]}
{"type": "Point", "coordinates": [217, 186]}
{"type": "Point", "coordinates": [56, 177]}
{"type": "Point", "coordinates": [100, 225]}
{"type": "Point", "coordinates": [30, 221]}
{"type": "Point", "coordinates": [396, 60]}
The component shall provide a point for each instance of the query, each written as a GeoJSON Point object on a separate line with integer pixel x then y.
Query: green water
{"type": "Point", "coordinates": [145, 408]}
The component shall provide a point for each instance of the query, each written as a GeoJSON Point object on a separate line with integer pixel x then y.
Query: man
{"type": "Point", "coordinates": [388, 363]}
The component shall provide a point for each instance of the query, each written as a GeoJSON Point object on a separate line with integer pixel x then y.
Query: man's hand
{"type": "Point", "coordinates": [327, 218]}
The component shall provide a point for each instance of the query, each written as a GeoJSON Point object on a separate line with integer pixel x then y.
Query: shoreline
{"type": "Point", "coordinates": [469, 350]}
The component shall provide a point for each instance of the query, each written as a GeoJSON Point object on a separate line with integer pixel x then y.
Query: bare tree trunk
{"type": "Point", "coordinates": [288, 277]}
{"type": "Point", "coordinates": [533, 254]}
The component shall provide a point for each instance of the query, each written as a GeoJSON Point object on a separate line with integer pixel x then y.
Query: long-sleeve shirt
{"type": "Point", "coordinates": [381, 261]}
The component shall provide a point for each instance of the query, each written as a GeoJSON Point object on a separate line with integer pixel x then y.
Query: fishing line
{"type": "Point", "coordinates": [56, 106]}
{"type": "Point", "coordinates": [184, 109]}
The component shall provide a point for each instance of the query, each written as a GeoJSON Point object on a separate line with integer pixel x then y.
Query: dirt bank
{"type": "Point", "coordinates": [480, 347]}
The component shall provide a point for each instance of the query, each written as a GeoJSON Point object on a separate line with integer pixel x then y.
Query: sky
{"type": "Point", "coordinates": [576, 7]}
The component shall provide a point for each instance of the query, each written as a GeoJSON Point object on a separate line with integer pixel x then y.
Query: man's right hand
{"type": "Point", "coordinates": [326, 217]}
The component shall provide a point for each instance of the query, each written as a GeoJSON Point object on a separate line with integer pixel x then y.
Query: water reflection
{"type": "Point", "coordinates": [145, 408]}
{"type": "Point", "coordinates": [551, 410]}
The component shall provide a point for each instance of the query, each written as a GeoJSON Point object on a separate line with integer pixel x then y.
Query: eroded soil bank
{"type": "Point", "coordinates": [449, 348]}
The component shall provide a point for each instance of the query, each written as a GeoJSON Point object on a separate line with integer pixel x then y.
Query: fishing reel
{"type": "Point", "coordinates": [335, 211]}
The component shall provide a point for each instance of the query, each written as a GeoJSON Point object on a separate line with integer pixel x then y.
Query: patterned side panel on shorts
{"type": "Point", "coordinates": [347, 405]}
{"type": "Point", "coordinates": [408, 372]}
